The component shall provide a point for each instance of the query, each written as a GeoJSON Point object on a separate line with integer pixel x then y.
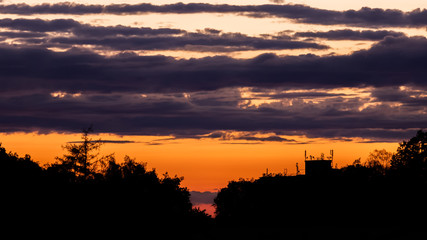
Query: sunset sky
{"type": "Point", "coordinates": [216, 90]}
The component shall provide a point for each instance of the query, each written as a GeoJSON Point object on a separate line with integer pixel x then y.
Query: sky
{"type": "Point", "coordinates": [215, 90]}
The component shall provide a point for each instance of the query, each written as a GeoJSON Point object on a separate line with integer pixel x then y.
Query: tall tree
{"type": "Point", "coordinates": [411, 157]}
{"type": "Point", "coordinates": [82, 158]}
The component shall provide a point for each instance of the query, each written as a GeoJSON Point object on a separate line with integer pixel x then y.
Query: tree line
{"type": "Point", "coordinates": [83, 187]}
{"type": "Point", "coordinates": [385, 190]}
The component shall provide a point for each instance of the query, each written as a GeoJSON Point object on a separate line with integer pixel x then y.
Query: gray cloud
{"type": "Point", "coordinates": [408, 97]}
{"type": "Point", "coordinates": [202, 197]}
{"type": "Point", "coordinates": [78, 29]}
{"type": "Point", "coordinates": [277, 1]}
{"type": "Point", "coordinates": [366, 17]}
{"type": "Point", "coordinates": [227, 136]}
{"type": "Point", "coordinates": [48, 91]}
{"type": "Point", "coordinates": [39, 25]}
{"type": "Point", "coordinates": [348, 34]}
{"type": "Point", "coordinates": [131, 38]}
{"type": "Point", "coordinates": [31, 35]}
{"type": "Point", "coordinates": [391, 62]}
{"type": "Point", "coordinates": [108, 141]}
{"type": "Point", "coordinates": [332, 117]}
{"type": "Point", "coordinates": [221, 43]}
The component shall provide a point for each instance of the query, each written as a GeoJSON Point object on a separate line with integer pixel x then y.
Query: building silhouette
{"type": "Point", "coordinates": [318, 166]}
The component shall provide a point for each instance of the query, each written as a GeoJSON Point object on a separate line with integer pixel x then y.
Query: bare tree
{"type": "Point", "coordinates": [379, 158]}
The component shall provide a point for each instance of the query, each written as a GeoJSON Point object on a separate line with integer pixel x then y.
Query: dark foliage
{"type": "Point", "coordinates": [344, 200]}
{"type": "Point", "coordinates": [374, 200]}
{"type": "Point", "coordinates": [359, 195]}
{"type": "Point", "coordinates": [18, 170]}
{"type": "Point", "coordinates": [74, 195]}
{"type": "Point", "coordinates": [410, 161]}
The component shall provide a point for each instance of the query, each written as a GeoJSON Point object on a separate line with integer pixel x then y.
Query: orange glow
{"type": "Point", "coordinates": [207, 164]}
{"type": "Point", "coordinates": [208, 207]}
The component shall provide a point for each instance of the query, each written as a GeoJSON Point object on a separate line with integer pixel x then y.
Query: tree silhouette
{"type": "Point", "coordinates": [368, 194]}
{"type": "Point", "coordinates": [100, 186]}
{"type": "Point", "coordinates": [410, 160]}
{"type": "Point", "coordinates": [18, 170]}
{"type": "Point", "coordinates": [379, 159]}
{"type": "Point", "coordinates": [80, 191]}
{"type": "Point", "coordinates": [81, 161]}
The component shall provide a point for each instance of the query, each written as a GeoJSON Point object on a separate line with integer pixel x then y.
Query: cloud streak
{"type": "Point", "coordinates": [107, 141]}
{"type": "Point", "coordinates": [144, 38]}
{"type": "Point", "coordinates": [348, 34]}
{"type": "Point", "coordinates": [234, 136]}
{"type": "Point", "coordinates": [364, 17]}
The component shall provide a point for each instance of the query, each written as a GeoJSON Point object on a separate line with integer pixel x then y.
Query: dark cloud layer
{"type": "Point", "coordinates": [131, 38]}
{"type": "Point", "coordinates": [43, 90]}
{"type": "Point", "coordinates": [348, 34]}
{"type": "Point", "coordinates": [193, 42]}
{"type": "Point", "coordinates": [377, 94]}
{"type": "Point", "coordinates": [39, 25]}
{"type": "Point", "coordinates": [126, 114]}
{"type": "Point", "coordinates": [367, 17]}
{"type": "Point", "coordinates": [79, 29]}
{"type": "Point", "coordinates": [391, 62]}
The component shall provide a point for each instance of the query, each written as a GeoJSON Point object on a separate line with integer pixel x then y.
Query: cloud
{"type": "Point", "coordinates": [277, 1]}
{"type": "Point", "coordinates": [310, 94]}
{"type": "Point", "coordinates": [192, 42]}
{"type": "Point", "coordinates": [348, 34]}
{"type": "Point", "coordinates": [132, 38]}
{"type": "Point", "coordinates": [170, 114]}
{"type": "Point", "coordinates": [39, 25]}
{"type": "Point", "coordinates": [391, 62]}
{"type": "Point", "coordinates": [405, 96]}
{"type": "Point", "coordinates": [364, 17]}
{"type": "Point", "coordinates": [108, 141]}
{"type": "Point", "coordinates": [82, 30]}
{"type": "Point", "coordinates": [377, 94]}
{"type": "Point", "coordinates": [30, 35]}
{"type": "Point", "coordinates": [373, 135]}
{"type": "Point", "coordinates": [235, 136]}
{"type": "Point", "coordinates": [197, 197]}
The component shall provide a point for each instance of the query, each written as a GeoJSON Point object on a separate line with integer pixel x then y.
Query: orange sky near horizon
{"type": "Point", "coordinates": [208, 164]}
{"type": "Point", "coordinates": [216, 89]}
{"type": "Point", "coordinates": [205, 164]}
